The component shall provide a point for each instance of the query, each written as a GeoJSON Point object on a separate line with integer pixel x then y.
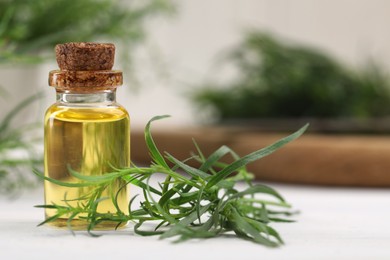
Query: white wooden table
{"type": "Point", "coordinates": [335, 223]}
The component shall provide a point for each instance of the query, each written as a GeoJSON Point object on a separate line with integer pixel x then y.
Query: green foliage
{"type": "Point", "coordinates": [17, 152]}
{"type": "Point", "coordinates": [191, 202]}
{"type": "Point", "coordinates": [29, 27]}
{"type": "Point", "coordinates": [276, 80]}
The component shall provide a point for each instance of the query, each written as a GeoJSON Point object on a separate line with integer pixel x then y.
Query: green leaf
{"type": "Point", "coordinates": [253, 157]}
{"type": "Point", "coordinates": [140, 232]}
{"type": "Point", "coordinates": [175, 230]}
{"type": "Point", "coordinates": [216, 156]}
{"type": "Point", "coordinates": [266, 229]}
{"type": "Point", "coordinates": [246, 228]}
{"type": "Point", "coordinates": [188, 169]}
{"type": "Point", "coordinates": [258, 188]}
{"type": "Point", "coordinates": [62, 183]}
{"type": "Point", "coordinates": [154, 152]}
{"type": "Point", "coordinates": [139, 183]}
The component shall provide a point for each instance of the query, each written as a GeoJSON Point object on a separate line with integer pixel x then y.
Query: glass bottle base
{"type": "Point", "coordinates": [82, 225]}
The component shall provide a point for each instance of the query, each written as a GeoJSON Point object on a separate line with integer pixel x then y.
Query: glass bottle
{"type": "Point", "coordinates": [86, 130]}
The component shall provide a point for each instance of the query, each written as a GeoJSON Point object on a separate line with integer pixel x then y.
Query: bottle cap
{"type": "Point", "coordinates": [80, 56]}
{"type": "Point", "coordinates": [85, 66]}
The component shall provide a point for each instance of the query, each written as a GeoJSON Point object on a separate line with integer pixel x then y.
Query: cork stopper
{"type": "Point", "coordinates": [85, 66]}
{"type": "Point", "coordinates": [78, 56]}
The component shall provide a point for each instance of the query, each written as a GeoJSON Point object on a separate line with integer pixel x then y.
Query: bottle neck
{"type": "Point", "coordinates": [101, 98]}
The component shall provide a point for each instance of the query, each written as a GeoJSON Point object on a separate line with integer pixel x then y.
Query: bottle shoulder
{"type": "Point", "coordinates": [74, 113]}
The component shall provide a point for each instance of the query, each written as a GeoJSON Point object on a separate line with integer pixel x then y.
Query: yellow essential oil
{"type": "Point", "coordinates": [90, 141]}
{"type": "Point", "coordinates": [86, 131]}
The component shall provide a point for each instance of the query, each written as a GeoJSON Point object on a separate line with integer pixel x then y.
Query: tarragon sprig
{"type": "Point", "coordinates": [191, 202]}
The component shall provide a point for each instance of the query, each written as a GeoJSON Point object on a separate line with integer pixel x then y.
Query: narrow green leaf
{"type": "Point", "coordinates": [139, 183]}
{"type": "Point", "coordinates": [62, 183]}
{"type": "Point", "coordinates": [266, 229]}
{"type": "Point", "coordinates": [185, 221]}
{"type": "Point", "coordinates": [188, 169]}
{"type": "Point", "coordinates": [282, 220]}
{"type": "Point", "coordinates": [199, 199]}
{"type": "Point", "coordinates": [184, 199]}
{"type": "Point", "coordinates": [169, 194]}
{"type": "Point", "coordinates": [253, 157]}
{"type": "Point", "coordinates": [140, 232]}
{"type": "Point", "coordinates": [250, 231]}
{"type": "Point", "coordinates": [161, 210]}
{"type": "Point", "coordinates": [258, 188]}
{"type": "Point", "coordinates": [200, 153]}
{"type": "Point", "coordinates": [96, 178]}
{"type": "Point", "coordinates": [50, 219]}
{"type": "Point", "coordinates": [154, 152]}
{"type": "Point", "coordinates": [216, 156]}
{"type": "Point", "coordinates": [161, 224]}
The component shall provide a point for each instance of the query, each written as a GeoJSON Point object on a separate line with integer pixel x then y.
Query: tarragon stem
{"type": "Point", "coordinates": [201, 203]}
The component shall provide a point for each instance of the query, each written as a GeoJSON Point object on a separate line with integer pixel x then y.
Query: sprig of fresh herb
{"type": "Point", "coordinates": [201, 202]}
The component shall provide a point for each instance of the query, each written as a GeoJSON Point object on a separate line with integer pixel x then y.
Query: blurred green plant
{"type": "Point", "coordinates": [277, 80]}
{"type": "Point", "coordinates": [18, 152]}
{"type": "Point", "coordinates": [29, 28]}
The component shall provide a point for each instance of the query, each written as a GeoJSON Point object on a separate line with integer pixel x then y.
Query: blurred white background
{"type": "Point", "coordinates": [187, 45]}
